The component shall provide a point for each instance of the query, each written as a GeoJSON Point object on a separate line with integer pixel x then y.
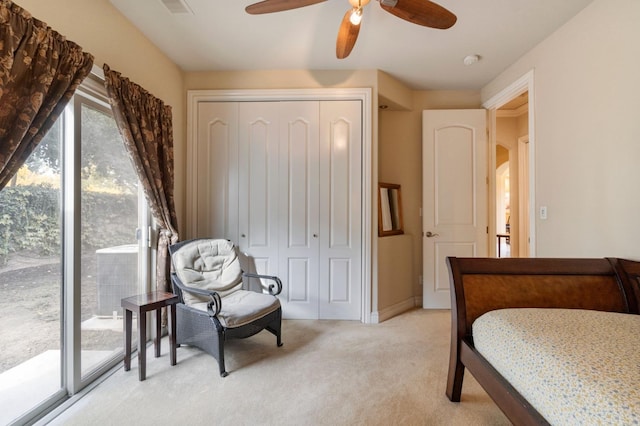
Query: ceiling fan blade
{"type": "Point", "coordinates": [422, 12]}
{"type": "Point", "coordinates": [347, 36]}
{"type": "Point", "coordinates": [269, 6]}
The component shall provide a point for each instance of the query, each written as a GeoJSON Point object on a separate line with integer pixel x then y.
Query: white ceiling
{"type": "Point", "coordinates": [220, 35]}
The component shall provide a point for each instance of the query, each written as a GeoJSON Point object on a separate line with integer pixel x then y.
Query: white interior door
{"type": "Point", "coordinates": [299, 226]}
{"type": "Point", "coordinates": [340, 210]}
{"type": "Point", "coordinates": [454, 195]}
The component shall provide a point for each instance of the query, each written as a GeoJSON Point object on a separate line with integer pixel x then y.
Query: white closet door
{"type": "Point", "coordinates": [299, 209]}
{"type": "Point", "coordinates": [340, 210]}
{"type": "Point", "coordinates": [284, 181]}
{"type": "Point", "coordinates": [215, 156]}
{"type": "Point", "coordinates": [258, 135]}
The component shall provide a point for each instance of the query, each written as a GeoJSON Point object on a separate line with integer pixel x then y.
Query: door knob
{"type": "Point", "coordinates": [315, 235]}
{"type": "Point", "coordinates": [243, 236]}
{"type": "Point", "coordinates": [430, 234]}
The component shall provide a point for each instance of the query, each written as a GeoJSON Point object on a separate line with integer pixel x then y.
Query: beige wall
{"type": "Point", "coordinates": [502, 155]}
{"type": "Point", "coordinates": [102, 31]}
{"type": "Point", "coordinates": [587, 131]}
{"type": "Point", "coordinates": [400, 161]}
{"type": "Point", "coordinates": [280, 79]}
{"type": "Point", "coordinates": [393, 94]}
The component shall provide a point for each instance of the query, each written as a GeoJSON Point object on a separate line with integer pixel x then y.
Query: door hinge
{"type": "Point", "coordinates": [487, 229]}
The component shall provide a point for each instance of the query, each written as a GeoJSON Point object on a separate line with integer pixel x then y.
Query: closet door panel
{"type": "Point", "coordinates": [258, 181]}
{"type": "Point", "coordinates": [215, 185]}
{"type": "Point", "coordinates": [339, 281]}
{"type": "Point", "coordinates": [299, 208]}
{"type": "Point", "coordinates": [340, 210]}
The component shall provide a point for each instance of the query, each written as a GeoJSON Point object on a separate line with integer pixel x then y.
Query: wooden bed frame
{"type": "Point", "coordinates": [479, 285]}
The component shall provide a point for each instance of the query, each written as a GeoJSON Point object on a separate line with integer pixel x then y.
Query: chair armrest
{"type": "Point", "coordinates": [277, 284]}
{"type": "Point", "coordinates": [215, 303]}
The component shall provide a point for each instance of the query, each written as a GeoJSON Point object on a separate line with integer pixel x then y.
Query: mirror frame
{"type": "Point", "coordinates": [392, 209]}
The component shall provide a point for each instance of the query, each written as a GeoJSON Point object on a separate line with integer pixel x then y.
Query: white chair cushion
{"type": "Point", "coordinates": [242, 307]}
{"type": "Point", "coordinates": [208, 265]}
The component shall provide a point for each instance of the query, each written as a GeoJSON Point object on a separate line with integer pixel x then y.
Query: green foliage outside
{"type": "Point", "coordinates": [29, 220]}
{"type": "Point", "coordinates": [30, 205]}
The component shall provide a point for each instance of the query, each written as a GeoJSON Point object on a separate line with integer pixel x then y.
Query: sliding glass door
{"type": "Point", "coordinates": [31, 282]}
{"type": "Point", "coordinates": [74, 241]}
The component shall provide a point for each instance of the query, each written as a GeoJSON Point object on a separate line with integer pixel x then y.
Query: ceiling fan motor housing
{"type": "Point", "coordinates": [388, 3]}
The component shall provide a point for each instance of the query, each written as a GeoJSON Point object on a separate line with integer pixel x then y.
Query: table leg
{"type": "Point", "coordinates": [156, 341]}
{"type": "Point", "coordinates": [172, 334]}
{"type": "Point", "coordinates": [142, 344]}
{"type": "Point", "coordinates": [127, 339]}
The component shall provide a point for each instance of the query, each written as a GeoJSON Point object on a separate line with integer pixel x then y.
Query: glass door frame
{"type": "Point", "coordinates": [88, 94]}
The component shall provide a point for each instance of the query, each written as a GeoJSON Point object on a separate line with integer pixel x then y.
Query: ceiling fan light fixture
{"type": "Point", "coordinates": [419, 12]}
{"type": "Point", "coordinates": [356, 16]}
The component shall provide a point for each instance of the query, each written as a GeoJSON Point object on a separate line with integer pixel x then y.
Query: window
{"type": "Point", "coordinates": [69, 252]}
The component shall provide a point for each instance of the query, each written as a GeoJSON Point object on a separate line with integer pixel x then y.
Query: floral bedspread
{"type": "Point", "coordinates": [576, 367]}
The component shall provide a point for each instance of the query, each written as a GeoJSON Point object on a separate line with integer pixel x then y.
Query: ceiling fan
{"type": "Point", "coordinates": [420, 12]}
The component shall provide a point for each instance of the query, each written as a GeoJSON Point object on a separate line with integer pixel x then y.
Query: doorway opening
{"type": "Point", "coordinates": [512, 141]}
{"type": "Point", "coordinates": [512, 177]}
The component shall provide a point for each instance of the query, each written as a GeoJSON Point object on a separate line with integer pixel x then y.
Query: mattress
{"type": "Point", "coordinates": [575, 367]}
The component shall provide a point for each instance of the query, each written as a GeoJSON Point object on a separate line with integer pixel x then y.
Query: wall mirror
{"type": "Point", "coordinates": [389, 210]}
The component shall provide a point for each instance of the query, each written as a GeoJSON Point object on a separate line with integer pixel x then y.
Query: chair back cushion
{"type": "Point", "coordinates": [208, 265]}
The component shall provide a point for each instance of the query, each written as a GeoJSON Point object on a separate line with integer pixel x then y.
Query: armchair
{"type": "Point", "coordinates": [214, 306]}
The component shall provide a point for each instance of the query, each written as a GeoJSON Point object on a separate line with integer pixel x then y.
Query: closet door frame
{"type": "Point", "coordinates": [360, 94]}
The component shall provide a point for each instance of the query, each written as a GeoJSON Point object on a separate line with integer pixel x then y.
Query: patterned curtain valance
{"type": "Point", "coordinates": [39, 72]}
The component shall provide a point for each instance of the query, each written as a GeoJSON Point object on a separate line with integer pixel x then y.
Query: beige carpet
{"type": "Point", "coordinates": [327, 373]}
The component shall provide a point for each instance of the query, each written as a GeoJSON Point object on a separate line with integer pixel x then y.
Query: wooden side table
{"type": "Point", "coordinates": [141, 304]}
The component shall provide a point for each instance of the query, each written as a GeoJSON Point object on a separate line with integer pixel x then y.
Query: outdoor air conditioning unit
{"type": "Point", "coordinates": [117, 277]}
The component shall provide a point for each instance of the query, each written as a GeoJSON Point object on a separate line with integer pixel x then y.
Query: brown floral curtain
{"type": "Point", "coordinates": [145, 125]}
{"type": "Point", "coordinates": [39, 72]}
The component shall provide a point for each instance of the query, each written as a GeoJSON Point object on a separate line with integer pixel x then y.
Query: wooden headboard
{"type": "Point", "coordinates": [480, 285]}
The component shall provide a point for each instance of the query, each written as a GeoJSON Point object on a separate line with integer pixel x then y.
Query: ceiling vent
{"type": "Point", "coordinates": [178, 7]}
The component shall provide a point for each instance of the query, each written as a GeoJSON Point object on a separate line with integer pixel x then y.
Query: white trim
{"type": "Point", "coordinates": [491, 178]}
{"type": "Point", "coordinates": [97, 71]}
{"type": "Point", "coordinates": [362, 94]}
{"type": "Point", "coordinates": [516, 88]}
{"type": "Point", "coordinates": [521, 85]}
{"type": "Point", "coordinates": [523, 165]}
